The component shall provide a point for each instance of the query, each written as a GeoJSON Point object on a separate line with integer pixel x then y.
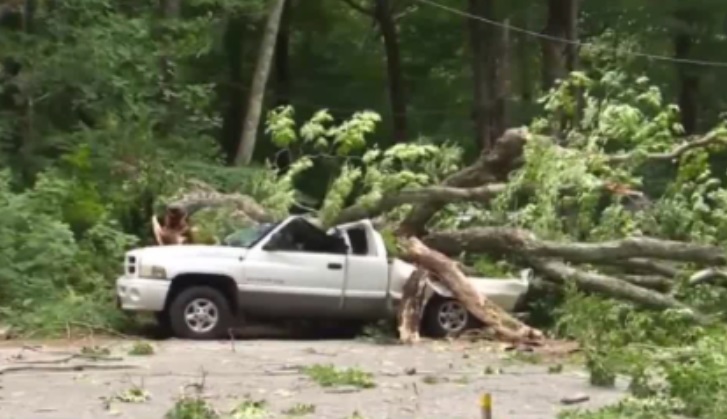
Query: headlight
{"type": "Point", "coordinates": [152, 272]}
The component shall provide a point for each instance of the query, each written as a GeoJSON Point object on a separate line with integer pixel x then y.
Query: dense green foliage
{"type": "Point", "coordinates": [108, 110]}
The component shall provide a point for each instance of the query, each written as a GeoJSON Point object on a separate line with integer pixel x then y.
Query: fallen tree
{"type": "Point", "coordinates": [639, 269]}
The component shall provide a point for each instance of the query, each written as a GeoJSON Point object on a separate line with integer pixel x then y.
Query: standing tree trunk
{"type": "Point", "coordinates": [382, 12]}
{"type": "Point", "coordinates": [170, 11]}
{"type": "Point", "coordinates": [559, 57]}
{"type": "Point", "coordinates": [688, 79]}
{"type": "Point", "coordinates": [384, 16]}
{"type": "Point", "coordinates": [246, 146]}
{"type": "Point", "coordinates": [231, 123]}
{"type": "Point", "coordinates": [282, 59]}
{"type": "Point", "coordinates": [481, 45]}
{"type": "Point", "coordinates": [501, 83]}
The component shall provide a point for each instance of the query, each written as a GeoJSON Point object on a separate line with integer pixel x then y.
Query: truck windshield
{"type": "Point", "coordinates": [249, 236]}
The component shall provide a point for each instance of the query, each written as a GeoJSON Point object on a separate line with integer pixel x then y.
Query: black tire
{"type": "Point", "coordinates": [216, 302]}
{"type": "Point", "coordinates": [432, 324]}
{"type": "Point", "coordinates": [164, 324]}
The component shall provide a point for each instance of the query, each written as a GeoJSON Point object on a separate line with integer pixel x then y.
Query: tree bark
{"type": "Point", "coordinates": [504, 240]}
{"type": "Point", "coordinates": [504, 326]}
{"type": "Point", "coordinates": [412, 305]}
{"type": "Point", "coordinates": [502, 83]}
{"type": "Point", "coordinates": [248, 138]}
{"type": "Point", "coordinates": [494, 165]}
{"type": "Point", "coordinates": [559, 57]}
{"type": "Point", "coordinates": [201, 195]}
{"type": "Point", "coordinates": [382, 12]}
{"type": "Point", "coordinates": [560, 273]}
{"type": "Point", "coordinates": [484, 179]}
{"type": "Point", "coordinates": [429, 195]}
{"type": "Point", "coordinates": [484, 74]}
{"type": "Point", "coordinates": [688, 78]}
{"type": "Point", "coordinates": [282, 58]}
{"type": "Point", "coordinates": [384, 16]}
{"type": "Point", "coordinates": [231, 125]}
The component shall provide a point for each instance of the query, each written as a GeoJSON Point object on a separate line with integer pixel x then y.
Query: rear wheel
{"type": "Point", "coordinates": [445, 317]}
{"type": "Point", "coordinates": [200, 313]}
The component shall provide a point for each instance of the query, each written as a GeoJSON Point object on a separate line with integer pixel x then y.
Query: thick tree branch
{"type": "Point", "coordinates": [594, 282]}
{"type": "Point", "coordinates": [507, 240]}
{"type": "Point", "coordinates": [427, 195]}
{"type": "Point", "coordinates": [645, 266]}
{"type": "Point", "coordinates": [203, 196]}
{"type": "Point", "coordinates": [504, 326]}
{"type": "Point", "coordinates": [493, 166]}
{"type": "Point", "coordinates": [714, 137]}
{"type": "Point", "coordinates": [411, 308]}
{"type": "Point", "coordinates": [709, 275]}
{"type": "Point", "coordinates": [656, 283]}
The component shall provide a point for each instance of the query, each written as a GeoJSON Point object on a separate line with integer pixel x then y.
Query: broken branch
{"type": "Point", "coordinates": [595, 282]}
{"type": "Point", "coordinates": [412, 305]}
{"type": "Point", "coordinates": [507, 240]}
{"type": "Point", "coordinates": [64, 368]}
{"type": "Point", "coordinates": [438, 195]}
{"type": "Point", "coordinates": [711, 138]}
{"type": "Point", "coordinates": [505, 327]}
{"type": "Point", "coordinates": [492, 166]}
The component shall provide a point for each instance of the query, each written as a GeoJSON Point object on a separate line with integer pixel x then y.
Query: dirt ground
{"type": "Point", "coordinates": [430, 380]}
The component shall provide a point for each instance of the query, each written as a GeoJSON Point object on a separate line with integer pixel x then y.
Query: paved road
{"type": "Point", "coordinates": [446, 383]}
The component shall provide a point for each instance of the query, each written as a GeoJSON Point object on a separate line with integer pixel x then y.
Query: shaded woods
{"type": "Point", "coordinates": [584, 140]}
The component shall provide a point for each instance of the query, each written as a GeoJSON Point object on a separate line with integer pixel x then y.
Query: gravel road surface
{"type": "Point", "coordinates": [430, 380]}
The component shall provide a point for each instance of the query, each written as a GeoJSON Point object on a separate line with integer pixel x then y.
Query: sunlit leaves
{"type": "Point", "coordinates": [281, 126]}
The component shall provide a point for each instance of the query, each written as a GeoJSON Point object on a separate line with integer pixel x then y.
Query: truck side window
{"type": "Point", "coordinates": [301, 236]}
{"type": "Point", "coordinates": [359, 241]}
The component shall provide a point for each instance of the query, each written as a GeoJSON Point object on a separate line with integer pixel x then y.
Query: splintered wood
{"type": "Point", "coordinates": [412, 306]}
{"type": "Point", "coordinates": [503, 325]}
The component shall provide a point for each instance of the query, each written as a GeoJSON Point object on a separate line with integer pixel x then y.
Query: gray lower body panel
{"type": "Point", "coordinates": [278, 305]}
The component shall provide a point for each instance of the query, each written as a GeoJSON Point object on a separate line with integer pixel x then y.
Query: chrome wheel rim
{"type": "Point", "coordinates": [201, 315]}
{"type": "Point", "coordinates": [452, 316]}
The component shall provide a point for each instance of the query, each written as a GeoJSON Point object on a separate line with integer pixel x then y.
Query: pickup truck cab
{"type": "Point", "coordinates": [288, 270]}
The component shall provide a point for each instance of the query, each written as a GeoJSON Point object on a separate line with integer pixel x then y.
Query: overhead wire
{"type": "Point", "coordinates": [656, 57]}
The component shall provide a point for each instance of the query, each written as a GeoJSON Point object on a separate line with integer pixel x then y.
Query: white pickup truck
{"type": "Point", "coordinates": [288, 270]}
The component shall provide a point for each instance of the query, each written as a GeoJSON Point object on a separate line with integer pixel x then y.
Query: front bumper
{"type": "Point", "coordinates": [141, 294]}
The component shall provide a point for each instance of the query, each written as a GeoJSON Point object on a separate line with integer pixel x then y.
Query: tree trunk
{"type": "Point", "coordinates": [231, 124]}
{"type": "Point", "coordinates": [688, 79]}
{"type": "Point", "coordinates": [501, 83]}
{"type": "Point", "coordinates": [170, 11]}
{"type": "Point", "coordinates": [397, 95]}
{"type": "Point", "coordinates": [412, 305]}
{"type": "Point", "coordinates": [494, 165]}
{"type": "Point", "coordinates": [246, 146]}
{"type": "Point", "coordinates": [282, 59]}
{"type": "Point", "coordinates": [504, 326]}
{"type": "Point", "coordinates": [483, 62]}
{"type": "Point", "coordinates": [559, 57]}
{"type": "Point", "coordinates": [26, 136]}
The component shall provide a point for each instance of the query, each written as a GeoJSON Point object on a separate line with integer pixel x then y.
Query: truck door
{"type": "Point", "coordinates": [298, 271]}
{"type": "Point", "coordinates": [367, 276]}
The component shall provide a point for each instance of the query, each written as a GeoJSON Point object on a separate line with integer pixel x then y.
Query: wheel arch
{"type": "Point", "coordinates": [222, 283]}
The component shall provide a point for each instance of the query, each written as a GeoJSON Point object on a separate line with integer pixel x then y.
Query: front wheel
{"type": "Point", "coordinates": [445, 317]}
{"type": "Point", "coordinates": [200, 313]}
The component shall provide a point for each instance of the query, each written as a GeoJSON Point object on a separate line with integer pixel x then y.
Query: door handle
{"type": "Point", "coordinates": [335, 266]}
